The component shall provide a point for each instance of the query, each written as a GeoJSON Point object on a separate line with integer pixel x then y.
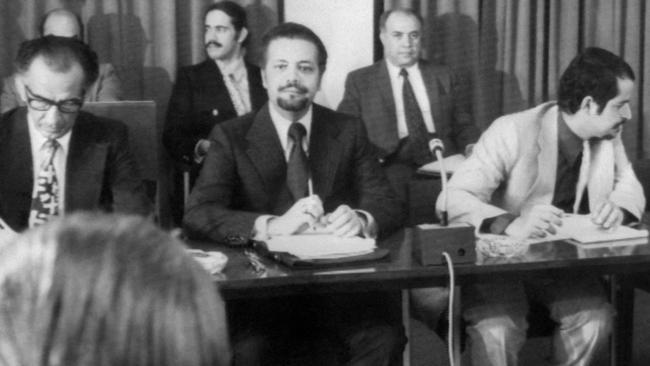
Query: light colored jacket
{"type": "Point", "coordinates": [514, 166]}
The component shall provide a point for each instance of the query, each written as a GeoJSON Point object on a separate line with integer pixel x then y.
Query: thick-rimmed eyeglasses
{"type": "Point", "coordinates": [42, 104]}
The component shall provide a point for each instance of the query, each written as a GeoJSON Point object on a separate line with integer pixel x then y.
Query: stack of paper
{"type": "Point", "coordinates": [581, 229]}
{"type": "Point", "coordinates": [312, 246]}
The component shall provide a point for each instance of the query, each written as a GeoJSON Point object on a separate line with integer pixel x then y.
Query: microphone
{"type": "Point", "coordinates": [437, 148]}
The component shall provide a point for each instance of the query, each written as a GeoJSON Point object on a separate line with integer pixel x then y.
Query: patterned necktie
{"type": "Point", "coordinates": [45, 202]}
{"type": "Point", "coordinates": [583, 177]}
{"type": "Point", "coordinates": [298, 165]}
{"type": "Point", "coordinates": [418, 137]}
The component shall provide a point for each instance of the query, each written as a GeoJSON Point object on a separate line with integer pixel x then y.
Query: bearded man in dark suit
{"type": "Point", "coordinates": [255, 183]}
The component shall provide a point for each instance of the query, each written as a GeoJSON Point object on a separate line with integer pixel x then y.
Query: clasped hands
{"type": "Point", "coordinates": [543, 220]}
{"type": "Point", "coordinates": [308, 212]}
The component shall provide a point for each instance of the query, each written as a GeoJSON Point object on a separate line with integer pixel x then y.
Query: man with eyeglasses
{"type": "Point", "coordinates": [55, 159]}
{"type": "Point", "coordinates": [64, 23]}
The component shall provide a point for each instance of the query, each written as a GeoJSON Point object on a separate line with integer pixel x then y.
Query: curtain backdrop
{"type": "Point", "coordinates": [512, 52]}
{"type": "Point", "coordinates": [146, 40]}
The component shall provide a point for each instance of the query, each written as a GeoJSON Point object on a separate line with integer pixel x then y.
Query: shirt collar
{"type": "Point", "coordinates": [394, 71]}
{"type": "Point", "coordinates": [282, 125]}
{"type": "Point", "coordinates": [236, 68]}
{"type": "Point", "coordinates": [37, 139]}
{"type": "Point", "coordinates": [569, 144]}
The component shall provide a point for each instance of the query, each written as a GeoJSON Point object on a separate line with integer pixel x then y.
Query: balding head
{"type": "Point", "coordinates": [62, 23]}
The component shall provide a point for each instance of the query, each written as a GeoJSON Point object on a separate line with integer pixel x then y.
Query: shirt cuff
{"type": "Point", "coordinates": [497, 224]}
{"type": "Point", "coordinates": [261, 227]}
{"type": "Point", "coordinates": [368, 226]}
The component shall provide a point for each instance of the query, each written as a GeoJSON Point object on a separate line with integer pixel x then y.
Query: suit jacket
{"type": "Point", "coordinates": [107, 87]}
{"type": "Point", "coordinates": [101, 173]}
{"type": "Point", "coordinates": [244, 173]}
{"type": "Point", "coordinates": [514, 167]}
{"type": "Point", "coordinates": [368, 95]}
{"type": "Point", "coordinates": [200, 100]}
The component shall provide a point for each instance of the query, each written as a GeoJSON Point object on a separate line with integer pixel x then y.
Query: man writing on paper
{"type": "Point", "coordinates": [527, 170]}
{"type": "Point", "coordinates": [54, 158]}
{"type": "Point", "coordinates": [255, 182]}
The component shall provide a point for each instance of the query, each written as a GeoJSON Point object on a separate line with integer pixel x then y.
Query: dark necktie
{"type": "Point", "coordinates": [298, 166]}
{"type": "Point", "coordinates": [45, 202]}
{"type": "Point", "coordinates": [417, 140]}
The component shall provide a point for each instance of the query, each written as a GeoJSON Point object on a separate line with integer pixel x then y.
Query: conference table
{"type": "Point", "coordinates": [400, 271]}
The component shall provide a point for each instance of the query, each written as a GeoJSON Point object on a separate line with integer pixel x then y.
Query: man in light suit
{"type": "Point", "coordinates": [55, 159]}
{"type": "Point", "coordinates": [218, 89]}
{"type": "Point", "coordinates": [526, 172]}
{"type": "Point", "coordinates": [255, 183]}
{"type": "Point", "coordinates": [376, 94]}
{"type": "Point", "coordinates": [63, 23]}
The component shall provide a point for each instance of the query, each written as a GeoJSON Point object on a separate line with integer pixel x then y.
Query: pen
{"type": "Point", "coordinates": [310, 187]}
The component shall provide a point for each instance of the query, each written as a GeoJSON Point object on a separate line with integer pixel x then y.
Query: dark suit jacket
{"type": "Point", "coordinates": [101, 173]}
{"type": "Point", "coordinates": [369, 96]}
{"type": "Point", "coordinates": [200, 100]}
{"type": "Point", "coordinates": [245, 171]}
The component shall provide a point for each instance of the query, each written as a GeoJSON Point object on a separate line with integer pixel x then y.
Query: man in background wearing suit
{"type": "Point", "coordinates": [404, 102]}
{"type": "Point", "coordinates": [218, 89]}
{"type": "Point", "coordinates": [527, 171]}
{"type": "Point", "coordinates": [55, 159]}
{"type": "Point", "coordinates": [64, 23]}
{"type": "Point", "coordinates": [292, 165]}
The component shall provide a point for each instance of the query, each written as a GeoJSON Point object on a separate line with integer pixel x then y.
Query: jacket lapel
{"type": "Point", "coordinates": [546, 170]}
{"type": "Point", "coordinates": [85, 167]}
{"type": "Point", "coordinates": [324, 152]}
{"type": "Point", "coordinates": [383, 84]}
{"type": "Point", "coordinates": [264, 150]}
{"type": "Point", "coordinates": [16, 170]}
{"type": "Point", "coordinates": [434, 87]}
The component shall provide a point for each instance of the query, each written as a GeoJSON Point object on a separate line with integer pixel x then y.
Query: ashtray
{"type": "Point", "coordinates": [212, 261]}
{"type": "Point", "coordinates": [492, 245]}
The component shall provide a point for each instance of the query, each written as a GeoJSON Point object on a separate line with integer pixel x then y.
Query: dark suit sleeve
{"type": "Point", "coordinates": [464, 130]}
{"type": "Point", "coordinates": [124, 179]}
{"type": "Point", "coordinates": [374, 193]}
{"type": "Point", "coordinates": [178, 137]}
{"type": "Point", "coordinates": [208, 214]}
{"type": "Point", "coordinates": [351, 103]}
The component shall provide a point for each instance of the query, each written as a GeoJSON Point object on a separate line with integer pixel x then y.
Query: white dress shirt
{"type": "Point", "coordinates": [236, 79]}
{"type": "Point", "coordinates": [60, 159]}
{"type": "Point", "coordinates": [417, 83]}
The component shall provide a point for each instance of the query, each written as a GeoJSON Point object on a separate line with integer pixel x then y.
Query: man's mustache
{"type": "Point", "coordinates": [213, 43]}
{"type": "Point", "coordinates": [294, 85]}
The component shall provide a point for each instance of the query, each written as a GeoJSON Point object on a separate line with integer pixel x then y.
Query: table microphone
{"type": "Point", "coordinates": [437, 148]}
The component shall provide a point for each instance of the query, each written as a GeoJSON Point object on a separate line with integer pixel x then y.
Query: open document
{"type": "Point", "coordinates": [321, 246]}
{"type": "Point", "coordinates": [452, 163]}
{"type": "Point", "coordinates": [581, 229]}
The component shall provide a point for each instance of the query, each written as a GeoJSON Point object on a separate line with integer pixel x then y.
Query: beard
{"type": "Point", "coordinates": [294, 104]}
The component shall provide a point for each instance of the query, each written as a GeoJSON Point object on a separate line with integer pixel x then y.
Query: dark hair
{"type": "Point", "coordinates": [80, 23]}
{"type": "Point", "coordinates": [60, 54]}
{"type": "Point", "coordinates": [406, 11]}
{"type": "Point", "coordinates": [94, 289]}
{"type": "Point", "coordinates": [295, 31]}
{"type": "Point", "coordinates": [594, 72]}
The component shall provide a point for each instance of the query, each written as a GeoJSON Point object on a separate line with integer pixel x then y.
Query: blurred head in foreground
{"type": "Point", "coordinates": [107, 290]}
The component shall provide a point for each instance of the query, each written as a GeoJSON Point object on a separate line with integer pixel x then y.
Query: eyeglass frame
{"type": "Point", "coordinates": [60, 105]}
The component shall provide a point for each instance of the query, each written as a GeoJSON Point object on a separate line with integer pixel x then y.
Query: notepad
{"type": "Point", "coordinates": [312, 246]}
{"type": "Point", "coordinates": [581, 229]}
{"type": "Point", "coordinates": [452, 163]}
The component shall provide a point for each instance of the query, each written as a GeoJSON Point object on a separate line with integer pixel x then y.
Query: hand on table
{"type": "Point", "coordinates": [303, 214]}
{"type": "Point", "coordinates": [344, 222]}
{"type": "Point", "coordinates": [540, 221]}
{"type": "Point", "coordinates": [607, 215]}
